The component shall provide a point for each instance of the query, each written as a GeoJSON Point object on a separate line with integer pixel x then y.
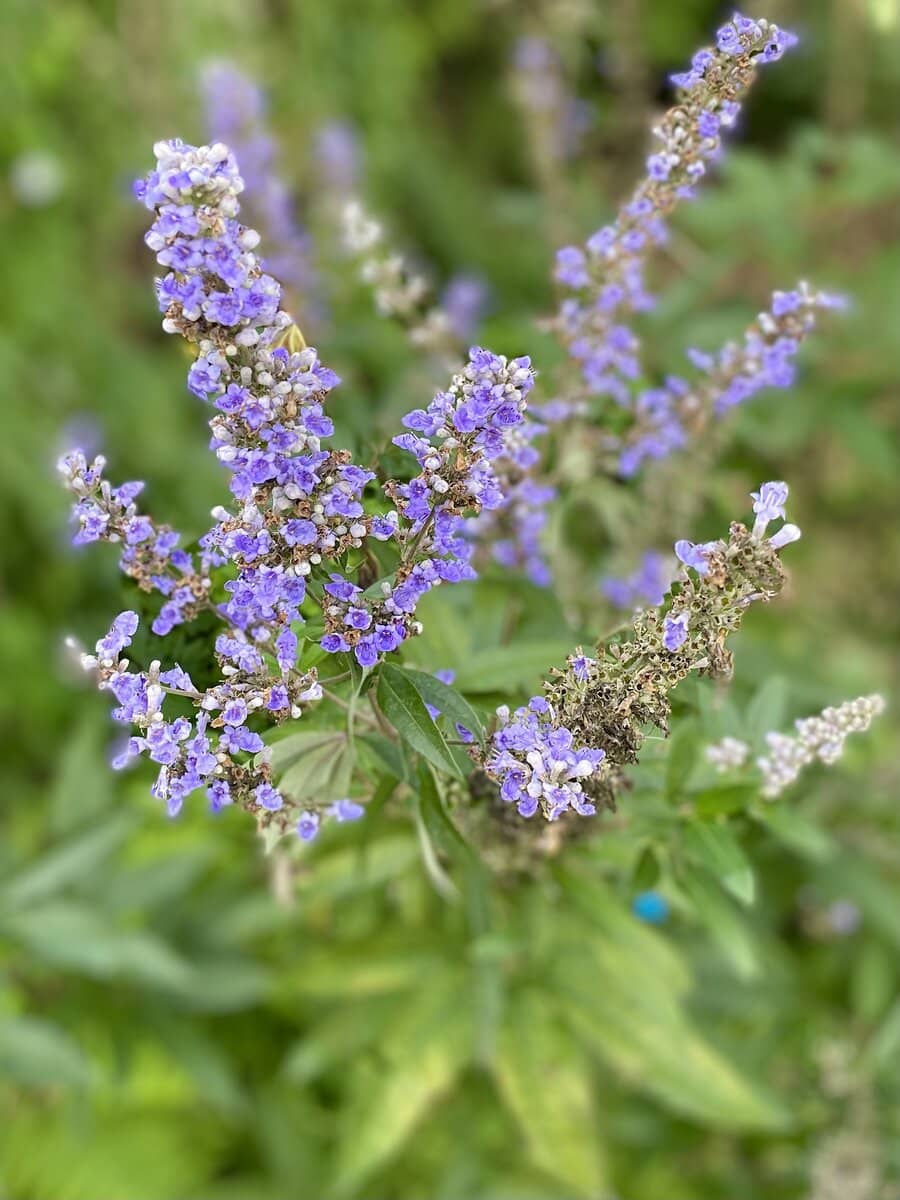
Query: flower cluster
{"type": "Point", "coordinates": [666, 418]}
{"type": "Point", "coordinates": [511, 525]}
{"type": "Point", "coordinates": [608, 274]}
{"type": "Point", "coordinates": [298, 511]}
{"type": "Point", "coordinates": [150, 552]}
{"type": "Point", "coordinates": [212, 752]}
{"type": "Point", "coordinates": [513, 529]}
{"type": "Point", "coordinates": [236, 115]}
{"type": "Point", "coordinates": [604, 703]}
{"type": "Point", "coordinates": [538, 764]}
{"type": "Point", "coordinates": [727, 755]}
{"type": "Point", "coordinates": [298, 503]}
{"type": "Point", "coordinates": [820, 738]}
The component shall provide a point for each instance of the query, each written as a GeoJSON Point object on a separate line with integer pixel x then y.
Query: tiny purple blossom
{"type": "Point", "coordinates": [268, 797]}
{"type": "Point", "coordinates": [675, 631]}
{"type": "Point", "coordinates": [308, 825]}
{"type": "Point", "coordinates": [346, 810]}
{"type": "Point", "coordinates": [693, 555]}
{"type": "Point", "coordinates": [768, 504]}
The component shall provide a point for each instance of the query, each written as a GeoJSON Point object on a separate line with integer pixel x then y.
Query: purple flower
{"type": "Point", "coordinates": [346, 810]}
{"type": "Point", "coordinates": [308, 826]}
{"type": "Point", "coordinates": [121, 632]}
{"type": "Point", "coordinates": [537, 764]}
{"type": "Point", "coordinates": [299, 532]}
{"type": "Point", "coordinates": [675, 631]}
{"type": "Point", "coordinates": [268, 797]}
{"type": "Point", "coordinates": [286, 650]}
{"type": "Point", "coordinates": [693, 555]}
{"type": "Point", "coordinates": [235, 712]}
{"type": "Point", "coordinates": [768, 504]}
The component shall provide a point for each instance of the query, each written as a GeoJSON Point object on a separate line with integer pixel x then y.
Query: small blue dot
{"type": "Point", "coordinates": [651, 907]}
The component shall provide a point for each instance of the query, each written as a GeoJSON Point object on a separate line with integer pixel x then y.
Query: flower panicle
{"type": "Point", "coordinates": [236, 114]}
{"type": "Point", "coordinates": [150, 553]}
{"type": "Point", "coordinates": [401, 293]}
{"type": "Point", "coordinates": [297, 507]}
{"type": "Point", "coordinates": [820, 738]}
{"type": "Point", "coordinates": [606, 276]}
{"type": "Point", "coordinates": [597, 709]}
{"type": "Point", "coordinates": [669, 417]}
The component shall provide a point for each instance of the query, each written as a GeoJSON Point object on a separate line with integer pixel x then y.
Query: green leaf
{"type": "Point", "coordinates": [671, 1061]}
{"type": "Point", "coordinates": [388, 754]}
{"type": "Point", "coordinates": [505, 667]}
{"type": "Point", "coordinates": [680, 762]}
{"type": "Point", "coordinates": [358, 969]}
{"type": "Point", "coordinates": [405, 709]}
{"type": "Point", "coordinates": [447, 699]}
{"type": "Point", "coordinates": [82, 939]}
{"type": "Point", "coordinates": [206, 1062]}
{"type": "Point", "coordinates": [625, 1010]}
{"type": "Point", "coordinates": [618, 943]}
{"type": "Point", "coordinates": [545, 1081]}
{"type": "Point", "coordinates": [717, 849]}
{"type": "Point", "coordinates": [722, 800]}
{"type": "Point", "coordinates": [797, 832]}
{"type": "Point", "coordinates": [35, 1052]}
{"type": "Point", "coordinates": [82, 787]}
{"type": "Point", "coordinates": [340, 1034]}
{"type": "Point", "coordinates": [448, 840]}
{"type": "Point", "coordinates": [766, 711]}
{"type": "Point", "coordinates": [441, 881]}
{"type": "Point", "coordinates": [75, 860]}
{"type": "Point", "coordinates": [883, 1049]}
{"type": "Point", "coordinates": [646, 870]}
{"type": "Point", "coordinates": [717, 913]}
{"type": "Point", "coordinates": [424, 1051]}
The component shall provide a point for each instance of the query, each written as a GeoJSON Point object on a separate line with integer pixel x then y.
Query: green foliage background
{"type": "Point", "coordinates": [171, 1026]}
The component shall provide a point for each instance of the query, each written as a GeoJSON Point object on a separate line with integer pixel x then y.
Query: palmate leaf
{"type": "Point", "coordinates": [672, 1062]}
{"type": "Point", "coordinates": [313, 765]}
{"type": "Point", "coordinates": [405, 709]}
{"type": "Point", "coordinates": [424, 1050]}
{"type": "Point", "coordinates": [620, 986]}
{"type": "Point", "coordinates": [545, 1081]}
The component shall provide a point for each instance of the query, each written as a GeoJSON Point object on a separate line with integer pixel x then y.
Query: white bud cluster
{"type": "Point", "coordinates": [728, 755]}
{"type": "Point", "coordinates": [820, 738]}
{"type": "Point", "coordinates": [400, 293]}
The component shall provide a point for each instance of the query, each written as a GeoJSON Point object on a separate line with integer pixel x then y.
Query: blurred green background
{"type": "Point", "coordinates": [171, 1024]}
